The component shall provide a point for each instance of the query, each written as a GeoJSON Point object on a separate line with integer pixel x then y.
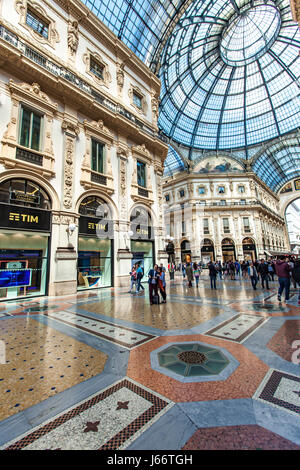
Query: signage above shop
{"type": "Point", "coordinates": [24, 218]}
{"type": "Point", "coordinates": [142, 232]}
{"type": "Point", "coordinates": [100, 228]}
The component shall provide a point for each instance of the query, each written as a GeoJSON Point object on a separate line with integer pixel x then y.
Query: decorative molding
{"type": "Point", "coordinates": [73, 39]}
{"type": "Point", "coordinates": [106, 79]}
{"type": "Point", "coordinates": [71, 129]}
{"type": "Point", "coordinates": [120, 76]}
{"type": "Point", "coordinates": [21, 7]}
{"type": "Point", "coordinates": [35, 98]}
{"type": "Point", "coordinates": [155, 106]}
{"type": "Point", "coordinates": [137, 91]}
{"type": "Point", "coordinates": [97, 130]}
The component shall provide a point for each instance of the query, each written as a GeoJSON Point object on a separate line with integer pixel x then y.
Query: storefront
{"type": "Point", "coordinates": [207, 251]}
{"type": "Point", "coordinates": [249, 249]}
{"type": "Point", "coordinates": [95, 245]}
{"type": "Point", "coordinates": [228, 250]}
{"type": "Point", "coordinates": [25, 227]}
{"type": "Point", "coordinates": [185, 252]}
{"type": "Point", "coordinates": [142, 239]}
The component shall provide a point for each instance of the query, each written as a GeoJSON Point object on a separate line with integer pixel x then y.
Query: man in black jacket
{"type": "Point", "coordinates": [263, 270]}
{"type": "Point", "coordinates": [212, 274]}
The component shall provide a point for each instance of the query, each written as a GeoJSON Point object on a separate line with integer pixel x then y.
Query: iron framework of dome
{"type": "Point", "coordinates": [230, 75]}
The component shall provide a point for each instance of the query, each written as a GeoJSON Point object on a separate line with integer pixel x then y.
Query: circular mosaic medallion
{"type": "Point", "coordinates": [191, 360]}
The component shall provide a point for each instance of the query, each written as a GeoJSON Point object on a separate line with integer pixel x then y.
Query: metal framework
{"type": "Point", "coordinates": [230, 74]}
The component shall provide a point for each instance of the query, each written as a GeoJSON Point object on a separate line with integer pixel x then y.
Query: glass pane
{"type": "Point", "coordinates": [37, 23]}
{"type": "Point", "coordinates": [35, 132]}
{"type": "Point", "coordinates": [96, 68]}
{"type": "Point", "coordinates": [25, 128]}
{"type": "Point", "coordinates": [141, 174]}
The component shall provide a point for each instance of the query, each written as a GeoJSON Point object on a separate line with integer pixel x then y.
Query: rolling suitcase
{"type": "Point", "coordinates": [155, 299]}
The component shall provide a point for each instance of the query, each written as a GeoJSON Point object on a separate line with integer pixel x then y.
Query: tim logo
{"type": "Point", "coordinates": [2, 353]}
{"type": "Point", "coordinates": [296, 354]}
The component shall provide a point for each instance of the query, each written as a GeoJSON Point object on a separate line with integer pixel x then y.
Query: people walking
{"type": "Point", "coordinates": [162, 284]}
{"type": "Point", "coordinates": [212, 274]}
{"type": "Point", "coordinates": [189, 273]}
{"type": "Point", "coordinates": [153, 283]}
{"type": "Point", "coordinates": [253, 275]}
{"type": "Point", "coordinates": [139, 277]}
{"type": "Point", "coordinates": [196, 272]}
{"type": "Point", "coordinates": [133, 278]}
{"type": "Point", "coordinates": [283, 270]}
{"type": "Point", "coordinates": [263, 270]}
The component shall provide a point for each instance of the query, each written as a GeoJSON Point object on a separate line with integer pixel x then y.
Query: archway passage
{"type": "Point", "coordinates": [25, 223]}
{"type": "Point", "coordinates": [292, 216]}
{"type": "Point", "coordinates": [142, 239]}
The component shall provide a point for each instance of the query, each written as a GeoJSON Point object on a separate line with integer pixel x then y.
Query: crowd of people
{"type": "Point", "coordinates": [287, 270]}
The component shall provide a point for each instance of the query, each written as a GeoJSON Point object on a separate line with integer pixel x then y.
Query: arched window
{"type": "Point", "coordinates": [94, 206]}
{"type": "Point", "coordinates": [22, 192]}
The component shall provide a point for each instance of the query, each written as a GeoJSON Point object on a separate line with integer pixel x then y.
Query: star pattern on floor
{"type": "Point", "coordinates": [92, 426]}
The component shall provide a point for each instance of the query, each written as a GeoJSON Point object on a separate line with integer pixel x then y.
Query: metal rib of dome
{"type": "Point", "coordinates": [230, 75]}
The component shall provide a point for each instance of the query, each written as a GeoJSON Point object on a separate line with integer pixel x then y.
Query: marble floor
{"type": "Point", "coordinates": [104, 369]}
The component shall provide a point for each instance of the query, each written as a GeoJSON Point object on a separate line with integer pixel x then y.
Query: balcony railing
{"type": "Point", "coordinates": [98, 178]}
{"type": "Point", "coordinates": [65, 73]}
{"type": "Point", "coordinates": [142, 192]}
{"type": "Point", "coordinates": [28, 156]}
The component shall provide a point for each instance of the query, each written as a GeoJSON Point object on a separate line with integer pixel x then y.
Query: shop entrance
{"type": "Point", "coordinates": [249, 249]}
{"type": "Point", "coordinates": [228, 250]}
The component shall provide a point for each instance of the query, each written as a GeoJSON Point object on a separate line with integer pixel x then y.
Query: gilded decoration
{"type": "Point", "coordinates": [21, 7]}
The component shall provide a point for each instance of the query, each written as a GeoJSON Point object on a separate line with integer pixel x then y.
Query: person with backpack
{"type": "Point", "coordinates": [133, 278]}
{"type": "Point", "coordinates": [153, 284]}
{"type": "Point", "coordinates": [296, 276]}
{"type": "Point", "coordinates": [139, 276]}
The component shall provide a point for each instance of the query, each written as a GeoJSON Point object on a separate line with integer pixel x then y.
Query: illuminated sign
{"type": "Point", "coordinates": [100, 228]}
{"type": "Point", "coordinates": [15, 278]}
{"type": "Point", "coordinates": [27, 218]}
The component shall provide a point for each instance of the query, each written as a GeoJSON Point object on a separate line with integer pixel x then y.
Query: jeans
{"type": "Point", "coordinates": [284, 284]}
{"type": "Point", "coordinates": [152, 287]}
{"type": "Point", "coordinates": [139, 285]}
{"type": "Point", "coordinates": [254, 281]}
{"type": "Point", "coordinates": [265, 279]}
{"type": "Point", "coordinates": [197, 280]}
{"type": "Point", "coordinates": [213, 282]}
{"type": "Point", "coordinates": [133, 283]}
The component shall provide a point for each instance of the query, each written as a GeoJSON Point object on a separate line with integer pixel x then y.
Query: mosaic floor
{"type": "Point", "coordinates": [208, 370]}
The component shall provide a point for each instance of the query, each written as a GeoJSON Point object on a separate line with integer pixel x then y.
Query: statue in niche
{"type": "Point", "coordinates": [73, 36]}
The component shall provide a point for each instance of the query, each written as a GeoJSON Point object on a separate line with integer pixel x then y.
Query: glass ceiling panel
{"type": "Point", "coordinates": [257, 54]}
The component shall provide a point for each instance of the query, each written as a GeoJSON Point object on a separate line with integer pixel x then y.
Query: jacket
{"type": "Point", "coordinates": [263, 269]}
{"type": "Point", "coordinates": [296, 273]}
{"type": "Point", "coordinates": [282, 269]}
{"type": "Point", "coordinates": [189, 273]}
{"type": "Point", "coordinates": [212, 270]}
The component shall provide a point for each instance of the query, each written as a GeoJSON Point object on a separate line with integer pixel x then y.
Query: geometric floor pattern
{"type": "Point", "coordinates": [105, 370]}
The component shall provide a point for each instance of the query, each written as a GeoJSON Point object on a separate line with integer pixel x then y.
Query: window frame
{"type": "Point", "coordinates": [41, 131]}
{"type": "Point", "coordinates": [98, 145]}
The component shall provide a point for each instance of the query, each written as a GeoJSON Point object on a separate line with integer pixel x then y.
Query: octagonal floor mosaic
{"type": "Point", "coordinates": [106, 370]}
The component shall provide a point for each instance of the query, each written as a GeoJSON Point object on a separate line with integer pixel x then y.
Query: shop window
{"type": "Point", "coordinates": [141, 174]}
{"type": "Point", "coordinates": [96, 68]}
{"type": "Point", "coordinates": [37, 23]}
{"type": "Point", "coordinates": [97, 157]}
{"type": "Point", "coordinates": [24, 193]}
{"type": "Point", "coordinates": [94, 206]}
{"type": "Point", "coordinates": [30, 129]}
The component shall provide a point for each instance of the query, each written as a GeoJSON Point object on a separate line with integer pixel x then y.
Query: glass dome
{"type": "Point", "coordinates": [230, 75]}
